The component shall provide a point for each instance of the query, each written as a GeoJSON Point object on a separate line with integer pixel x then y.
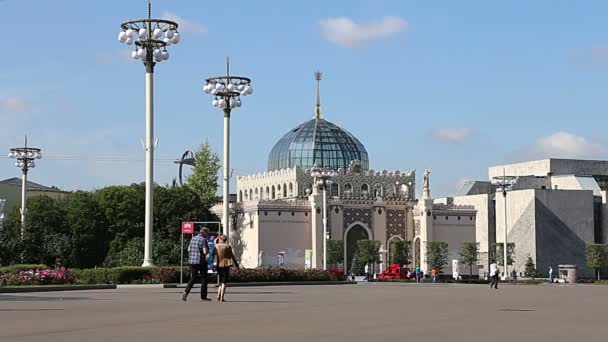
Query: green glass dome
{"type": "Point", "coordinates": [319, 142]}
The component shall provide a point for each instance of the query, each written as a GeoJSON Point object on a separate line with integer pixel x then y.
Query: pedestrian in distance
{"type": "Point", "coordinates": [434, 274]}
{"type": "Point", "coordinates": [550, 275]}
{"type": "Point", "coordinates": [198, 250]}
{"type": "Point", "coordinates": [225, 260]}
{"type": "Point", "coordinates": [494, 272]}
{"type": "Point", "coordinates": [417, 271]}
{"type": "Point", "coordinates": [366, 272]}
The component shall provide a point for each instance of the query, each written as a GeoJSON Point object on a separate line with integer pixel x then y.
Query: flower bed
{"type": "Point", "coordinates": [38, 276]}
{"type": "Point", "coordinates": [20, 275]}
{"type": "Point", "coordinates": [165, 275]}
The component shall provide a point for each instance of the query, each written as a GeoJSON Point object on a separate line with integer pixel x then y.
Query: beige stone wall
{"type": "Point", "coordinates": [283, 181]}
{"type": "Point", "coordinates": [454, 231]}
{"type": "Point", "coordinates": [485, 224]}
{"type": "Point", "coordinates": [530, 168]}
{"type": "Point", "coordinates": [284, 232]}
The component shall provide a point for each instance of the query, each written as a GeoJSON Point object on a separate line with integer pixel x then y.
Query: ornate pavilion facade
{"type": "Point", "coordinates": [279, 212]}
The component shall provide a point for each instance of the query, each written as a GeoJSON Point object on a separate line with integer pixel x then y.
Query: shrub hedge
{"type": "Point", "coordinates": [22, 267]}
{"type": "Point", "coordinates": [165, 275]}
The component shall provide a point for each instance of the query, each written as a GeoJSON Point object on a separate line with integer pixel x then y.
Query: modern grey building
{"type": "Point", "coordinates": [554, 209]}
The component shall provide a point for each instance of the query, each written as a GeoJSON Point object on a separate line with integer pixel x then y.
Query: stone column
{"type": "Point", "coordinates": [316, 229]}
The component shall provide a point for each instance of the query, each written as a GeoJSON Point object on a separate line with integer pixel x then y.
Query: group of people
{"type": "Point", "coordinates": [198, 255]}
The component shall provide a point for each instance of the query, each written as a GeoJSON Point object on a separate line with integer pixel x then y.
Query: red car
{"type": "Point", "coordinates": [395, 271]}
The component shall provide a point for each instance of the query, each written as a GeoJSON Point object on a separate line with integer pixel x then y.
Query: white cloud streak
{"type": "Point", "coordinates": [563, 145]}
{"type": "Point", "coordinates": [14, 104]}
{"type": "Point", "coordinates": [346, 33]}
{"type": "Point", "coordinates": [185, 25]}
{"type": "Point", "coordinates": [452, 135]}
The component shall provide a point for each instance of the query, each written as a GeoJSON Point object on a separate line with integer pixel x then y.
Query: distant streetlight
{"type": "Point", "coordinates": [25, 160]}
{"type": "Point", "coordinates": [504, 184]}
{"type": "Point", "coordinates": [323, 178]}
{"type": "Point", "coordinates": [227, 91]}
{"type": "Point", "coordinates": [150, 38]}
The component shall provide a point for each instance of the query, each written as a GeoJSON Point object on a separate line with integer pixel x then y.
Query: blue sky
{"type": "Point", "coordinates": [455, 86]}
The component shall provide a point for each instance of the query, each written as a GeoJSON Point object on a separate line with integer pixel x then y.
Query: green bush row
{"type": "Point", "coordinates": [164, 275]}
{"type": "Point", "coordinates": [22, 267]}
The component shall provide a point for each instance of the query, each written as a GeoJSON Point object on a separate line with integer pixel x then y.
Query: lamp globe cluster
{"type": "Point", "coordinates": [25, 158]}
{"type": "Point", "coordinates": [149, 38]}
{"type": "Point", "coordinates": [228, 91]}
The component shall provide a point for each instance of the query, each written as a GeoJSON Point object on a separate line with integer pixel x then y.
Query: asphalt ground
{"type": "Point", "coordinates": [364, 312]}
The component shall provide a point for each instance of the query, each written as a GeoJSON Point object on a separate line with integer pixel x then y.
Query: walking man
{"type": "Point", "coordinates": [494, 275]}
{"type": "Point", "coordinates": [550, 275]}
{"type": "Point", "coordinates": [198, 250]}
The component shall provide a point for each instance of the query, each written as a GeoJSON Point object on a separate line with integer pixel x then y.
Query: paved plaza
{"type": "Point", "coordinates": [364, 312]}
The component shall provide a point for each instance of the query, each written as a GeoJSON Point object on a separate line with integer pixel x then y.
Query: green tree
{"type": "Point", "coordinates": [469, 255]}
{"type": "Point", "coordinates": [399, 252]}
{"type": "Point", "coordinates": [10, 239]}
{"type": "Point", "coordinates": [497, 254]}
{"type": "Point", "coordinates": [335, 252]}
{"type": "Point", "coordinates": [204, 178]}
{"type": "Point", "coordinates": [124, 209]}
{"type": "Point", "coordinates": [88, 226]}
{"type": "Point", "coordinates": [367, 253]}
{"type": "Point", "coordinates": [47, 236]}
{"type": "Point", "coordinates": [437, 254]}
{"type": "Point", "coordinates": [597, 257]}
{"type": "Point", "coordinates": [530, 270]}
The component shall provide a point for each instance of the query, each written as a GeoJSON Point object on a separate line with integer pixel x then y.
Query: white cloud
{"type": "Point", "coordinates": [14, 104]}
{"type": "Point", "coordinates": [563, 145]}
{"type": "Point", "coordinates": [119, 56]}
{"type": "Point", "coordinates": [184, 24]}
{"type": "Point", "coordinates": [452, 135]}
{"type": "Point", "coordinates": [345, 32]}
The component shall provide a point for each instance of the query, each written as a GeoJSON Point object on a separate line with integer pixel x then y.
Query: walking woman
{"type": "Point", "coordinates": [225, 259]}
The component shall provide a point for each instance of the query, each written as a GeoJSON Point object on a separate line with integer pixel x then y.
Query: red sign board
{"type": "Point", "coordinates": [187, 227]}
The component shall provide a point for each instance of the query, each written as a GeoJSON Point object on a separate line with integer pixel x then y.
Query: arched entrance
{"type": "Point", "coordinates": [354, 233]}
{"type": "Point", "coordinates": [389, 260]}
{"type": "Point", "coordinates": [416, 252]}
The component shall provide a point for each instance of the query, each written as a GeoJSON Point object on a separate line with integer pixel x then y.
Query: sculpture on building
{"type": "Point", "coordinates": [426, 189]}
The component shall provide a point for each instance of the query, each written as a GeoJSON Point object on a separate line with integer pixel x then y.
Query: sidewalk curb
{"type": "Point", "coordinates": [272, 283]}
{"type": "Point", "coordinates": [141, 286]}
{"type": "Point", "coordinates": [55, 288]}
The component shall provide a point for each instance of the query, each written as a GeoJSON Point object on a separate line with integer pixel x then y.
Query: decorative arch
{"type": "Point", "coordinates": [273, 193]}
{"type": "Point", "coordinates": [256, 194]}
{"type": "Point", "coordinates": [267, 192]}
{"type": "Point", "coordinates": [240, 199]}
{"type": "Point", "coordinates": [250, 194]}
{"type": "Point", "coordinates": [378, 190]}
{"type": "Point", "coordinates": [416, 251]}
{"type": "Point", "coordinates": [334, 189]}
{"type": "Point", "coordinates": [285, 190]}
{"type": "Point", "coordinates": [388, 245]}
{"type": "Point", "coordinates": [290, 189]}
{"type": "Point", "coordinates": [364, 189]}
{"type": "Point", "coordinates": [360, 229]}
{"type": "Point", "coordinates": [348, 188]}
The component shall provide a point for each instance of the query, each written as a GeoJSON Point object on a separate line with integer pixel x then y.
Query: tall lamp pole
{"type": "Point", "coordinates": [504, 184]}
{"type": "Point", "coordinates": [323, 178]}
{"type": "Point", "coordinates": [25, 160]}
{"type": "Point", "coordinates": [227, 91]}
{"type": "Point", "coordinates": [150, 38]}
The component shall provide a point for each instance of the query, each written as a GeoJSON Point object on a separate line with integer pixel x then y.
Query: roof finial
{"type": "Point", "coordinates": [227, 66]}
{"type": "Point", "coordinates": [149, 9]}
{"type": "Point", "coordinates": [318, 76]}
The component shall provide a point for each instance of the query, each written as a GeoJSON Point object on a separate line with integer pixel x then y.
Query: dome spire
{"type": "Point", "coordinates": [318, 76]}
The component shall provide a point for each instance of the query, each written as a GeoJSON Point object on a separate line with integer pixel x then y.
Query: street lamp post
{"type": "Point", "coordinates": [323, 178]}
{"type": "Point", "coordinates": [227, 91]}
{"type": "Point", "coordinates": [150, 38]}
{"type": "Point", "coordinates": [25, 160]}
{"type": "Point", "coordinates": [504, 184]}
